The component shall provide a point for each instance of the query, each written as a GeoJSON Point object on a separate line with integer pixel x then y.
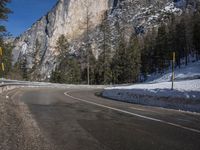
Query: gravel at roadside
{"type": "Point", "coordinates": [18, 130]}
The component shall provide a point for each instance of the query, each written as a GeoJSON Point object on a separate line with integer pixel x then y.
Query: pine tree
{"type": "Point", "coordinates": [104, 68]}
{"type": "Point", "coordinates": [133, 55]}
{"type": "Point", "coordinates": [76, 71]}
{"type": "Point", "coordinates": [7, 47]}
{"type": "Point", "coordinates": [37, 53]}
{"type": "Point", "coordinates": [62, 46]}
{"type": "Point", "coordinates": [4, 11]}
{"type": "Point", "coordinates": [189, 36]}
{"type": "Point", "coordinates": [87, 26]}
{"type": "Point", "coordinates": [104, 73]}
{"type": "Point", "coordinates": [126, 62]}
{"type": "Point", "coordinates": [196, 34]}
{"type": "Point", "coordinates": [68, 70]}
{"type": "Point", "coordinates": [119, 63]}
{"type": "Point", "coordinates": [24, 69]}
{"type": "Point", "coordinates": [92, 66]}
{"type": "Point", "coordinates": [56, 76]}
{"type": "Point", "coordinates": [93, 72]}
{"type": "Point", "coordinates": [181, 43]}
{"type": "Point", "coordinates": [34, 71]}
{"type": "Point", "coordinates": [171, 36]}
{"type": "Point", "coordinates": [161, 52]}
{"type": "Point", "coordinates": [147, 54]}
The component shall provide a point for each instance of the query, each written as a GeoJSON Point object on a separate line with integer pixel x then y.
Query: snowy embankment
{"type": "Point", "coordinates": [185, 96]}
{"type": "Point", "coordinates": [191, 71]}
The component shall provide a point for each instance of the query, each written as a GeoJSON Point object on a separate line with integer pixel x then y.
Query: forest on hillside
{"type": "Point", "coordinates": [133, 61]}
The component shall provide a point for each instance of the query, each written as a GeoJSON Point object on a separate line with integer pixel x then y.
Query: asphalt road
{"type": "Point", "coordinates": [58, 119]}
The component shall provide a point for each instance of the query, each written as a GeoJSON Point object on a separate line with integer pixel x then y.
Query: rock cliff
{"type": "Point", "coordinates": [68, 17]}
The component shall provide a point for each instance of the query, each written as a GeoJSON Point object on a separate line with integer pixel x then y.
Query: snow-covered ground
{"type": "Point", "coordinates": [157, 91]}
{"type": "Point", "coordinates": [192, 71]}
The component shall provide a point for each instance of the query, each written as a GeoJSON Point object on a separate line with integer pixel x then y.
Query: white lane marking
{"type": "Point", "coordinates": [133, 114]}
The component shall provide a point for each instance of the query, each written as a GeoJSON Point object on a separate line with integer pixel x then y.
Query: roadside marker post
{"type": "Point", "coordinates": [173, 64]}
{"type": "Point", "coordinates": [2, 64]}
{"type": "Point", "coordinates": [1, 52]}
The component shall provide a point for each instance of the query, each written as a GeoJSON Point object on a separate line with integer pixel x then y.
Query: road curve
{"type": "Point", "coordinates": [74, 119]}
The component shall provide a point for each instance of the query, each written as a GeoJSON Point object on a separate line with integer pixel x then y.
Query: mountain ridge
{"type": "Point", "coordinates": [67, 17]}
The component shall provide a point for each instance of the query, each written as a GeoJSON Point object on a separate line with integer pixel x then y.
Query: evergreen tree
{"type": "Point", "coordinates": [34, 71]}
{"type": "Point", "coordinates": [177, 36]}
{"type": "Point", "coordinates": [16, 72]}
{"type": "Point", "coordinates": [133, 58]}
{"type": "Point", "coordinates": [104, 67]}
{"type": "Point", "coordinates": [36, 55]}
{"type": "Point", "coordinates": [56, 76]}
{"type": "Point", "coordinates": [92, 66]}
{"type": "Point", "coordinates": [181, 43]}
{"type": "Point", "coordinates": [87, 26]}
{"type": "Point", "coordinates": [126, 62]}
{"type": "Point", "coordinates": [119, 63]}
{"type": "Point", "coordinates": [104, 73]}
{"type": "Point", "coordinates": [188, 19]}
{"type": "Point", "coordinates": [161, 52]}
{"type": "Point", "coordinates": [171, 37]}
{"type": "Point", "coordinates": [6, 58]}
{"type": "Point", "coordinates": [4, 11]}
{"type": "Point", "coordinates": [196, 34]}
{"type": "Point", "coordinates": [62, 46]}
{"type": "Point", "coordinates": [147, 54]}
{"type": "Point", "coordinates": [68, 70]}
{"type": "Point", "coordinates": [7, 47]}
{"type": "Point", "coordinates": [24, 69]}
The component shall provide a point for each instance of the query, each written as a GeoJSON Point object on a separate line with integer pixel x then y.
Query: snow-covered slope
{"type": "Point", "coordinates": [182, 89]}
{"type": "Point", "coordinates": [186, 93]}
{"type": "Point", "coordinates": [191, 71]}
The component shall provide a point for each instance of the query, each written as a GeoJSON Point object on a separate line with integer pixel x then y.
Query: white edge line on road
{"type": "Point", "coordinates": [133, 114]}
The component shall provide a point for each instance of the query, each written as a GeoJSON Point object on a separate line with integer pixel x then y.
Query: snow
{"type": "Point", "coordinates": [158, 92]}
{"type": "Point", "coordinates": [171, 8]}
{"type": "Point", "coordinates": [192, 71]}
{"type": "Point", "coordinates": [182, 89]}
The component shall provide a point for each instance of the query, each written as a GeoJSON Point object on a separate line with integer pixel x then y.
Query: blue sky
{"type": "Point", "coordinates": [25, 13]}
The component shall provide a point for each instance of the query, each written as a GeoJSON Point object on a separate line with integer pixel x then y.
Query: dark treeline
{"type": "Point", "coordinates": [132, 61]}
{"type": "Point", "coordinates": [181, 36]}
{"type": "Point", "coordinates": [122, 67]}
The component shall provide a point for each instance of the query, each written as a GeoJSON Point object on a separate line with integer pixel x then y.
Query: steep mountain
{"type": "Point", "coordinates": [69, 17]}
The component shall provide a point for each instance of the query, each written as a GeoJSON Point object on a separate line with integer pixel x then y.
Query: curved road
{"type": "Point", "coordinates": [78, 119]}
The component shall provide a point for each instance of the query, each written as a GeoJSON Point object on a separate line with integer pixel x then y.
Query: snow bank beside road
{"type": "Point", "coordinates": [185, 96]}
{"type": "Point", "coordinates": [182, 89]}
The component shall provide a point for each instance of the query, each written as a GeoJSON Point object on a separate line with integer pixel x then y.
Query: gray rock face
{"type": "Point", "coordinates": [68, 18]}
